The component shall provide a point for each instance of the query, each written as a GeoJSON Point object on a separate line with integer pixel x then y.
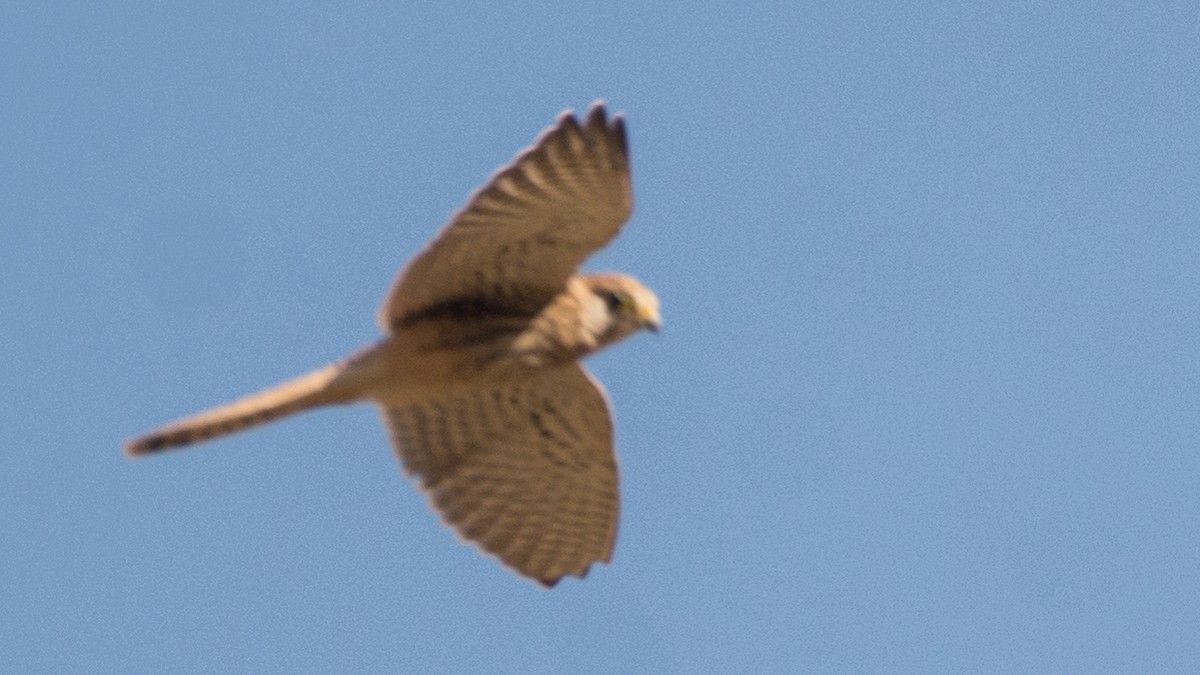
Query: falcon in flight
{"type": "Point", "coordinates": [478, 378]}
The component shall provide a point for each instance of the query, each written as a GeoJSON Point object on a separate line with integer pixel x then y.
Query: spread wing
{"type": "Point", "coordinates": [526, 470]}
{"type": "Point", "coordinates": [525, 232]}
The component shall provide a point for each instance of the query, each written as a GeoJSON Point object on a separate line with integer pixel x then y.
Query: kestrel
{"type": "Point", "coordinates": [478, 377]}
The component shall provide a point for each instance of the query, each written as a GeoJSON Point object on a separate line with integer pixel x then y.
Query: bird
{"type": "Point", "coordinates": [478, 376]}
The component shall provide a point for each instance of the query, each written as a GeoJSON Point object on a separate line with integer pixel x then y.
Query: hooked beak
{"type": "Point", "coordinates": [651, 320]}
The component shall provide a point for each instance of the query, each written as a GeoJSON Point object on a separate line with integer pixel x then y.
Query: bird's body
{"type": "Point", "coordinates": [478, 377]}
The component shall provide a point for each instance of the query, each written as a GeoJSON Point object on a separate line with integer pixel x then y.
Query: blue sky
{"type": "Point", "coordinates": [926, 399]}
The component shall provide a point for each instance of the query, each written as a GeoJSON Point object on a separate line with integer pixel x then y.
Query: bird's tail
{"type": "Point", "coordinates": [288, 398]}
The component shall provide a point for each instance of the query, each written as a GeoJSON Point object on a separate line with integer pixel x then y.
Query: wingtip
{"type": "Point", "coordinates": [598, 119]}
{"type": "Point", "coordinates": [550, 582]}
{"type": "Point", "coordinates": [567, 118]}
{"type": "Point", "coordinates": [618, 130]}
{"type": "Point", "coordinates": [597, 114]}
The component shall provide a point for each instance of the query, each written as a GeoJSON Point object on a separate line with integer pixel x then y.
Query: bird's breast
{"type": "Point", "coordinates": [433, 355]}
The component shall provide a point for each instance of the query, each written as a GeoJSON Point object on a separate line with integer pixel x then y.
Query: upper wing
{"type": "Point", "coordinates": [526, 470]}
{"type": "Point", "coordinates": [526, 231]}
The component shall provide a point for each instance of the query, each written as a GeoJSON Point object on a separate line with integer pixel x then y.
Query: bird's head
{"type": "Point", "coordinates": [627, 306]}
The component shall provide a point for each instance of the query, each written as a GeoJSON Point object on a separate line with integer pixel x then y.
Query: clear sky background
{"type": "Point", "coordinates": [927, 398]}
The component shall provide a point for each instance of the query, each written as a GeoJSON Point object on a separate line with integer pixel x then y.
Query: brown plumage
{"type": "Point", "coordinates": [478, 377]}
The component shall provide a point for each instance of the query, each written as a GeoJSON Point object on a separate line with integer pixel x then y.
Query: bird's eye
{"type": "Point", "coordinates": [618, 302]}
